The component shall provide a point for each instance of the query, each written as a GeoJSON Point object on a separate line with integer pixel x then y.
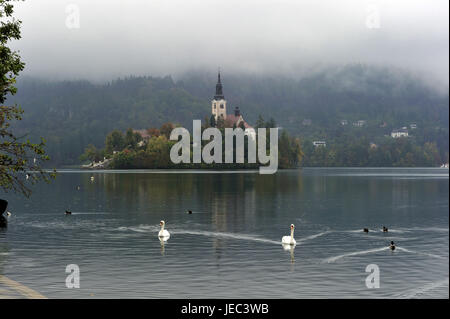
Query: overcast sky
{"type": "Point", "coordinates": [161, 37]}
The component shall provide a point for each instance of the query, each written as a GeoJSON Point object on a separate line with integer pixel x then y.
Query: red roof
{"type": "Point", "coordinates": [233, 119]}
{"type": "Point", "coordinates": [143, 133]}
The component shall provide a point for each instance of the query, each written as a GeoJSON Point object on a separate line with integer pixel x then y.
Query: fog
{"type": "Point", "coordinates": [292, 37]}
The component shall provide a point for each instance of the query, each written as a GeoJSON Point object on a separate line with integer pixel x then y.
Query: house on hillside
{"type": "Point", "coordinates": [403, 132]}
{"type": "Point", "coordinates": [359, 123]}
{"type": "Point", "coordinates": [319, 143]}
{"type": "Point", "coordinates": [143, 133]}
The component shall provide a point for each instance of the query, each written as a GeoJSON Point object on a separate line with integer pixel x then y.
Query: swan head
{"type": "Point", "coordinates": [292, 226]}
{"type": "Point", "coordinates": [162, 223]}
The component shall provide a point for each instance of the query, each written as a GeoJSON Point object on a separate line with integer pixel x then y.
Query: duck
{"type": "Point", "coordinates": [189, 211]}
{"type": "Point", "coordinates": [289, 239]}
{"type": "Point", "coordinates": [366, 230]}
{"type": "Point", "coordinates": [392, 245]}
{"type": "Point", "coordinates": [68, 212]}
{"type": "Point", "coordinates": [385, 229]}
{"type": "Point", "coordinates": [163, 234]}
{"type": "Point", "coordinates": [8, 214]}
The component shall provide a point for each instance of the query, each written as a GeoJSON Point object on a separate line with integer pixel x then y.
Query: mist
{"type": "Point", "coordinates": [115, 38]}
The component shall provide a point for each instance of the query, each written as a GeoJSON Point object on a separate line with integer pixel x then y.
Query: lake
{"type": "Point", "coordinates": [230, 246]}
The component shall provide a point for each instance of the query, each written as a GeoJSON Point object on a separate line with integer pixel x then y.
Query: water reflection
{"type": "Point", "coordinates": [162, 242]}
{"type": "Point", "coordinates": [290, 249]}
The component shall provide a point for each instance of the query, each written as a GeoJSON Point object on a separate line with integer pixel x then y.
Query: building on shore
{"type": "Point", "coordinates": [403, 132]}
{"type": "Point", "coordinates": [359, 123]}
{"type": "Point", "coordinates": [319, 143]}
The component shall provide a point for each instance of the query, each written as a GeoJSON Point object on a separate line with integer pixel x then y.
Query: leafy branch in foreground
{"type": "Point", "coordinates": [19, 161]}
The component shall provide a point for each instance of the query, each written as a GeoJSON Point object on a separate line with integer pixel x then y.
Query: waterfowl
{"type": "Point", "coordinates": [392, 245]}
{"type": "Point", "coordinates": [385, 229]}
{"type": "Point", "coordinates": [92, 178]}
{"type": "Point", "coordinates": [366, 230]}
{"type": "Point", "coordinates": [163, 234]}
{"type": "Point", "coordinates": [189, 212]}
{"type": "Point", "coordinates": [68, 212]}
{"type": "Point", "coordinates": [289, 239]}
{"type": "Point", "coordinates": [27, 176]}
{"type": "Point", "coordinates": [8, 214]}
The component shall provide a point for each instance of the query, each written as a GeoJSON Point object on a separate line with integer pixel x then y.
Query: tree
{"type": "Point", "coordinates": [153, 132]}
{"type": "Point", "coordinates": [212, 121]}
{"type": "Point", "coordinates": [166, 129]}
{"type": "Point", "coordinates": [260, 122]}
{"type": "Point", "coordinates": [132, 138]}
{"type": "Point", "coordinates": [115, 141]}
{"type": "Point", "coordinates": [220, 122]}
{"type": "Point", "coordinates": [92, 153]}
{"type": "Point", "coordinates": [16, 156]}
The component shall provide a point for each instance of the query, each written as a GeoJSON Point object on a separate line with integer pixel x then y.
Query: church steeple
{"type": "Point", "coordinates": [219, 92]}
{"type": "Point", "coordinates": [219, 104]}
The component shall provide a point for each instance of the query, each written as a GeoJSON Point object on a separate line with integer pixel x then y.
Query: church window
{"type": "Point", "coordinates": [221, 106]}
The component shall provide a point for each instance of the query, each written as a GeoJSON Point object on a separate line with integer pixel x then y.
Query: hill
{"type": "Point", "coordinates": [73, 114]}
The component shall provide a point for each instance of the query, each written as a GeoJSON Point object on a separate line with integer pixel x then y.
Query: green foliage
{"type": "Point", "coordinates": [212, 121]}
{"type": "Point", "coordinates": [359, 152]}
{"type": "Point", "coordinates": [156, 154]}
{"type": "Point", "coordinates": [92, 154]}
{"type": "Point", "coordinates": [17, 157]}
{"type": "Point", "coordinates": [115, 141]}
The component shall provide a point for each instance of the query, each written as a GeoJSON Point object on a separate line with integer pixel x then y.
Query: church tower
{"type": "Point", "coordinates": [219, 104]}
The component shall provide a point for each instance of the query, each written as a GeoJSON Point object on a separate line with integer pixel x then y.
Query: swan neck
{"type": "Point", "coordinates": [292, 233]}
{"type": "Point", "coordinates": [162, 227]}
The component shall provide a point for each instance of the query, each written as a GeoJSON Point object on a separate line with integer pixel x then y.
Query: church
{"type": "Point", "coordinates": [219, 109]}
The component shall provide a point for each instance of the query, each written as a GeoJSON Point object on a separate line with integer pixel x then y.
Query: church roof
{"type": "Point", "coordinates": [233, 119]}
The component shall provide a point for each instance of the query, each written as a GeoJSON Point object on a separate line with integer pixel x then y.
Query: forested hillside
{"type": "Point", "coordinates": [73, 114]}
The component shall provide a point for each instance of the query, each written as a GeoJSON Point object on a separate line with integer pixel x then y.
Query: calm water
{"type": "Point", "coordinates": [230, 245]}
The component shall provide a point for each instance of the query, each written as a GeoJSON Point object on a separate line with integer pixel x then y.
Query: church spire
{"type": "Point", "coordinates": [219, 92]}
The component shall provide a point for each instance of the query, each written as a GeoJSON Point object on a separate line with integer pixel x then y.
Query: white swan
{"type": "Point", "coordinates": [163, 234]}
{"type": "Point", "coordinates": [289, 239]}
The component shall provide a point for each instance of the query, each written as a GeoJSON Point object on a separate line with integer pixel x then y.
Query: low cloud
{"type": "Point", "coordinates": [160, 37]}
